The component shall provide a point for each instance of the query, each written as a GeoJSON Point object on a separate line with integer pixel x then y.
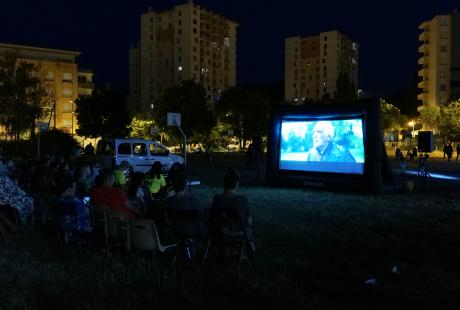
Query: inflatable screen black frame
{"type": "Point", "coordinates": [371, 178]}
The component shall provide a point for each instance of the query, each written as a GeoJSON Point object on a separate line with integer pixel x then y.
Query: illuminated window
{"type": "Point", "coordinates": [67, 122]}
{"type": "Point", "coordinates": [67, 107]}
{"type": "Point", "coordinates": [67, 92]}
{"type": "Point", "coordinates": [49, 76]}
{"type": "Point", "coordinates": [179, 68]}
{"type": "Point", "coordinates": [67, 77]}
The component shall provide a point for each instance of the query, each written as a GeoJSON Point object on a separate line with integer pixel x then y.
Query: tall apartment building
{"type": "Point", "coordinates": [60, 72]}
{"type": "Point", "coordinates": [183, 43]}
{"type": "Point", "coordinates": [313, 64]}
{"type": "Point", "coordinates": [440, 60]}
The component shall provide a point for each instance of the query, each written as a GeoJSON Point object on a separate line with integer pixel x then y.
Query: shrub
{"type": "Point", "coordinates": [56, 140]}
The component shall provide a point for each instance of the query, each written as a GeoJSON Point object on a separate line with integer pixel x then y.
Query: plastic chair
{"type": "Point", "coordinates": [145, 240]}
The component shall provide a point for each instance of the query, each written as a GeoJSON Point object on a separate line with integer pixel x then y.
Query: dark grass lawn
{"type": "Point", "coordinates": [315, 250]}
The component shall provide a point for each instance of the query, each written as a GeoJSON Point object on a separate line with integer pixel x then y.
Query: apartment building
{"type": "Point", "coordinates": [60, 73]}
{"type": "Point", "coordinates": [439, 71]}
{"type": "Point", "coordinates": [183, 43]}
{"type": "Point", "coordinates": [313, 64]}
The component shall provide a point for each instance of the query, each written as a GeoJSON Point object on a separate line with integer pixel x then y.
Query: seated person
{"type": "Point", "coordinates": [121, 174]}
{"type": "Point", "coordinates": [73, 213]}
{"type": "Point", "coordinates": [155, 180]}
{"type": "Point", "coordinates": [83, 179]}
{"type": "Point", "coordinates": [183, 202]}
{"type": "Point", "coordinates": [138, 193]}
{"type": "Point", "coordinates": [12, 195]}
{"type": "Point", "coordinates": [176, 169]}
{"type": "Point", "coordinates": [229, 199]}
{"type": "Point", "coordinates": [111, 197]}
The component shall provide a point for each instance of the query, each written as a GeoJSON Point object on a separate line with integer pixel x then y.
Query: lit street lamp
{"type": "Point", "coordinates": [72, 114]}
{"type": "Point", "coordinates": [358, 92]}
{"type": "Point", "coordinates": [411, 123]}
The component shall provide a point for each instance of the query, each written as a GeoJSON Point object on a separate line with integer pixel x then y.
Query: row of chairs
{"type": "Point", "coordinates": [226, 239]}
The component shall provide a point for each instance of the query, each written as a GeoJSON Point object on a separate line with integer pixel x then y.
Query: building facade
{"type": "Point", "coordinates": [313, 65]}
{"type": "Point", "coordinates": [61, 78]}
{"type": "Point", "coordinates": [85, 82]}
{"type": "Point", "coordinates": [187, 42]}
{"type": "Point", "coordinates": [439, 63]}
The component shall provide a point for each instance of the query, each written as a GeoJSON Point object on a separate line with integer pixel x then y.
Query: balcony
{"type": "Point", "coordinates": [423, 96]}
{"type": "Point", "coordinates": [424, 36]}
{"type": "Point", "coordinates": [424, 48]}
{"type": "Point", "coordinates": [425, 26]}
{"type": "Point", "coordinates": [423, 72]}
{"type": "Point", "coordinates": [87, 85]}
{"type": "Point", "coordinates": [423, 85]}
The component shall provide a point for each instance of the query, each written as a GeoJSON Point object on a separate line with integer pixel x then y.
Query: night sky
{"type": "Point", "coordinates": [104, 30]}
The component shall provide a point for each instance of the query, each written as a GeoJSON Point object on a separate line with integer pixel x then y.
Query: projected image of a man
{"type": "Point", "coordinates": [324, 149]}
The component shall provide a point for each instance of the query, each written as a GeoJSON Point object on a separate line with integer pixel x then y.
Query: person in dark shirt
{"type": "Point", "coordinates": [323, 147]}
{"type": "Point", "coordinates": [229, 199]}
{"type": "Point", "coordinates": [458, 151]}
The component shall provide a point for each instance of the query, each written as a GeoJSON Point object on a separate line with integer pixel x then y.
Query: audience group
{"type": "Point", "coordinates": [56, 190]}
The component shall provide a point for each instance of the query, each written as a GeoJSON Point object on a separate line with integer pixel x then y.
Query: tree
{"type": "Point", "coordinates": [390, 118]}
{"type": "Point", "coordinates": [102, 114]}
{"type": "Point", "coordinates": [189, 99]}
{"type": "Point", "coordinates": [22, 95]}
{"type": "Point", "coordinates": [430, 116]}
{"type": "Point", "coordinates": [449, 120]}
{"type": "Point", "coordinates": [246, 112]}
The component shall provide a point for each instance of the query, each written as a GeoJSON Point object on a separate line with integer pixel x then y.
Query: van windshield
{"type": "Point", "coordinates": [104, 148]}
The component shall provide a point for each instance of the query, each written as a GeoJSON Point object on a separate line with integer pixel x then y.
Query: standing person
{"type": "Point", "coordinates": [449, 150]}
{"type": "Point", "coordinates": [250, 156]}
{"type": "Point", "coordinates": [458, 151]}
{"type": "Point", "coordinates": [257, 153]}
{"type": "Point", "coordinates": [89, 150]}
{"type": "Point", "coordinates": [414, 152]}
{"type": "Point", "coordinates": [444, 149]}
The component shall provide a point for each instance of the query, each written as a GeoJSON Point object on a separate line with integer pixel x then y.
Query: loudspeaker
{"type": "Point", "coordinates": [425, 141]}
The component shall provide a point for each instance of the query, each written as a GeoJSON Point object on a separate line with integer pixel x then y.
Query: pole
{"type": "Point", "coordinates": [185, 144]}
{"type": "Point", "coordinates": [54, 111]}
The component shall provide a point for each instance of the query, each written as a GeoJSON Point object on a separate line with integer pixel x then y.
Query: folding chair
{"type": "Point", "coordinates": [189, 229]}
{"type": "Point", "coordinates": [100, 226]}
{"type": "Point", "coordinates": [229, 235]}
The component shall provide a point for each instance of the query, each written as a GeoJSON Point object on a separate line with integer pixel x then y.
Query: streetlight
{"type": "Point", "coordinates": [411, 123]}
{"type": "Point", "coordinates": [359, 91]}
{"type": "Point", "coordinates": [72, 114]}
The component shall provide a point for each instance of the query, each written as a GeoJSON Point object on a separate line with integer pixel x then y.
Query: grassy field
{"type": "Point", "coordinates": [315, 250]}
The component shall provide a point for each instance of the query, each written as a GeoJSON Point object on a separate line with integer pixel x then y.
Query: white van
{"type": "Point", "coordinates": [140, 154]}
